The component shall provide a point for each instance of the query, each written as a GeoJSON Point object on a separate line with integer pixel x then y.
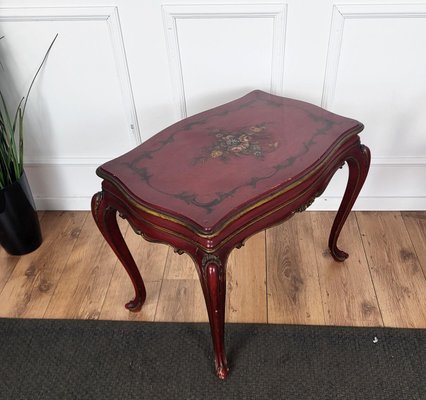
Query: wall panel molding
{"type": "Point", "coordinates": [372, 203]}
{"type": "Point", "coordinates": [82, 161]}
{"type": "Point", "coordinates": [172, 13]}
{"type": "Point", "coordinates": [341, 13]}
{"type": "Point", "coordinates": [399, 161]}
{"type": "Point", "coordinates": [53, 178]}
{"type": "Point", "coordinates": [111, 17]}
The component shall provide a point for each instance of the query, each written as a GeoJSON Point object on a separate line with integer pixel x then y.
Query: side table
{"type": "Point", "coordinates": [208, 182]}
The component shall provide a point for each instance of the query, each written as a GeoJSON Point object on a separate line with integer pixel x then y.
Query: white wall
{"type": "Point", "coordinates": [122, 70]}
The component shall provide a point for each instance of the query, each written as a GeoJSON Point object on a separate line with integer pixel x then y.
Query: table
{"type": "Point", "coordinates": [208, 182]}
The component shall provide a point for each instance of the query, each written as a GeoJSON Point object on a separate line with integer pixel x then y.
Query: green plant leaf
{"type": "Point", "coordinates": [12, 153]}
{"type": "Point", "coordinates": [8, 135]}
{"type": "Point", "coordinates": [37, 72]}
{"type": "Point", "coordinates": [21, 141]}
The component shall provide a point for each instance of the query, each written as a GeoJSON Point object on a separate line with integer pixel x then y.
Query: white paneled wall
{"type": "Point", "coordinates": [122, 70]}
{"type": "Point", "coordinates": [220, 52]}
{"type": "Point", "coordinates": [376, 70]}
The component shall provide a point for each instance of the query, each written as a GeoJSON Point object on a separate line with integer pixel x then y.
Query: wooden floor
{"type": "Point", "coordinates": [283, 275]}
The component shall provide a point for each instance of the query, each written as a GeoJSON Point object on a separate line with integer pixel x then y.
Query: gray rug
{"type": "Point", "coordinates": [57, 359]}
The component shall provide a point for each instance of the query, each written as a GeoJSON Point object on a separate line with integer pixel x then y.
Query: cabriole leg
{"type": "Point", "coordinates": [213, 281]}
{"type": "Point", "coordinates": [106, 219]}
{"type": "Point", "coordinates": [359, 163]}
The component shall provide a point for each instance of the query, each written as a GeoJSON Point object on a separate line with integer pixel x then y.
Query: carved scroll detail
{"type": "Point", "coordinates": [306, 205]}
{"type": "Point", "coordinates": [210, 258]}
{"type": "Point", "coordinates": [98, 199]}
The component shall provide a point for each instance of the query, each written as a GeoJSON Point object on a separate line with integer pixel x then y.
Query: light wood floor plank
{"type": "Point", "coordinates": [33, 281]}
{"type": "Point", "coordinates": [397, 275]}
{"type": "Point", "coordinates": [68, 267]}
{"type": "Point", "coordinates": [347, 290]}
{"type": "Point", "coordinates": [181, 297]}
{"type": "Point", "coordinates": [294, 295]}
{"type": "Point", "coordinates": [151, 259]}
{"type": "Point", "coordinates": [8, 262]}
{"type": "Point", "coordinates": [415, 223]}
{"type": "Point", "coordinates": [246, 291]}
{"type": "Point", "coordinates": [181, 300]}
{"type": "Point", "coordinates": [179, 266]}
{"type": "Point", "coordinates": [81, 289]}
{"type": "Point", "coordinates": [7, 265]}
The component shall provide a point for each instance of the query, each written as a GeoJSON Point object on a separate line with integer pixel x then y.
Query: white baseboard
{"type": "Point", "coordinates": [63, 203]}
{"type": "Point", "coordinates": [365, 203]}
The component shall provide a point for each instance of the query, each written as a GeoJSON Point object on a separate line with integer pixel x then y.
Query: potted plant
{"type": "Point", "coordinates": [19, 225]}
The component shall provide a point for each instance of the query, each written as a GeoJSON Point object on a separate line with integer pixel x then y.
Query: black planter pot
{"type": "Point", "coordinates": [19, 226]}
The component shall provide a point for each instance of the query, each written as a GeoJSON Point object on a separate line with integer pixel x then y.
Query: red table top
{"type": "Point", "coordinates": [208, 167]}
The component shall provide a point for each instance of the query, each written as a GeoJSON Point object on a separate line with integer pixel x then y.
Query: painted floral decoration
{"type": "Point", "coordinates": [251, 141]}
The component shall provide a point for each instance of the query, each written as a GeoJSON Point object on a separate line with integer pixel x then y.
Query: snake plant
{"type": "Point", "coordinates": [12, 134]}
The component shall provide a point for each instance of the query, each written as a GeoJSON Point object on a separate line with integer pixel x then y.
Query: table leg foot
{"type": "Point", "coordinates": [106, 219]}
{"type": "Point", "coordinates": [222, 372]}
{"type": "Point", "coordinates": [338, 255]}
{"type": "Point", "coordinates": [135, 305]}
{"type": "Point", "coordinates": [358, 160]}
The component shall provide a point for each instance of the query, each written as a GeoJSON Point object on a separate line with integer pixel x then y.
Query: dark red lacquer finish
{"type": "Point", "coordinates": [208, 182]}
